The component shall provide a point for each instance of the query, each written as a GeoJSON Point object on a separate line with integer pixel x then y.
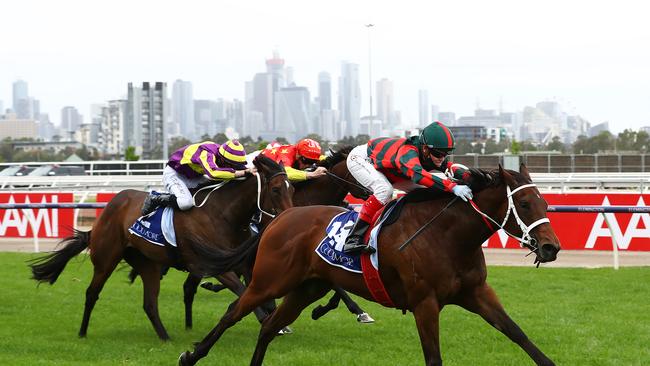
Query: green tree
{"type": "Point", "coordinates": [219, 138]}
{"type": "Point", "coordinates": [129, 154]}
{"type": "Point", "coordinates": [281, 140]}
{"type": "Point", "coordinates": [177, 142]}
{"type": "Point", "coordinates": [515, 147]}
{"type": "Point", "coordinates": [556, 145]}
{"type": "Point", "coordinates": [462, 147]}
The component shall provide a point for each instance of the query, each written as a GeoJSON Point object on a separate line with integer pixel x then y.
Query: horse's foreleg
{"type": "Point", "coordinates": [189, 290]}
{"type": "Point", "coordinates": [232, 282]}
{"type": "Point", "coordinates": [101, 273]}
{"type": "Point", "coordinates": [352, 306]}
{"type": "Point", "coordinates": [150, 274]}
{"type": "Point", "coordinates": [288, 311]}
{"type": "Point", "coordinates": [484, 302]}
{"type": "Point", "coordinates": [249, 300]}
{"type": "Point", "coordinates": [427, 320]}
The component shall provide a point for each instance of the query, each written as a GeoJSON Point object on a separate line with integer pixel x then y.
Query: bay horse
{"type": "Point", "coordinates": [330, 189]}
{"type": "Point", "coordinates": [220, 224]}
{"type": "Point", "coordinates": [441, 266]}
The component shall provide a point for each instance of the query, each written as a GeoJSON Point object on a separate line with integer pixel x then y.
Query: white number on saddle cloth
{"type": "Point", "coordinates": [337, 234]}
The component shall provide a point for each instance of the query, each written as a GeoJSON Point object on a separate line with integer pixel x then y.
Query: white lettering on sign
{"type": "Point", "coordinates": [598, 230]}
{"type": "Point", "coordinates": [20, 218]}
{"type": "Point", "coordinates": [503, 239]}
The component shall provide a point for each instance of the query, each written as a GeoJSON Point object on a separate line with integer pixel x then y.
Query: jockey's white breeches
{"type": "Point", "coordinates": [179, 185]}
{"type": "Point", "coordinates": [365, 173]}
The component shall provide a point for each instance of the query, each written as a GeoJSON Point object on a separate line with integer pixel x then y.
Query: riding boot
{"type": "Point", "coordinates": [154, 201]}
{"type": "Point", "coordinates": [354, 242]}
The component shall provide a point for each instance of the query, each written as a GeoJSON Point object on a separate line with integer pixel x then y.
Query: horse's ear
{"type": "Point", "coordinates": [524, 171]}
{"type": "Point", "coordinates": [506, 176]}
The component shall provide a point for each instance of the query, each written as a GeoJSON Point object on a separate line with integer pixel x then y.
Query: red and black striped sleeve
{"type": "Point", "coordinates": [409, 164]}
{"type": "Point", "coordinates": [458, 171]}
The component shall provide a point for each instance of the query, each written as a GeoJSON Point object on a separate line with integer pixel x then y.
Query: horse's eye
{"type": "Point", "coordinates": [524, 204]}
{"type": "Point", "coordinates": [276, 190]}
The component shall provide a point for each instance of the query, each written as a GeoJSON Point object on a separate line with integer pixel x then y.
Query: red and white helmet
{"type": "Point", "coordinates": [309, 148]}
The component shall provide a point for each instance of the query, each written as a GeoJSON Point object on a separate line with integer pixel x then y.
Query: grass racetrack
{"type": "Point", "coordinates": [575, 316]}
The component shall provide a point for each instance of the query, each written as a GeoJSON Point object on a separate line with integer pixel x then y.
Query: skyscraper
{"type": "Point", "coordinates": [183, 109]}
{"type": "Point", "coordinates": [146, 120]}
{"type": "Point", "coordinates": [292, 113]}
{"type": "Point", "coordinates": [70, 121]}
{"type": "Point", "coordinates": [349, 98]}
{"type": "Point", "coordinates": [20, 91]}
{"type": "Point", "coordinates": [385, 107]}
{"type": "Point", "coordinates": [423, 107]}
{"type": "Point", "coordinates": [325, 90]}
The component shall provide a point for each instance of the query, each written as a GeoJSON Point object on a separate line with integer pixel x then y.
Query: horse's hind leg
{"type": "Point", "coordinates": [101, 272]}
{"type": "Point", "coordinates": [288, 311]}
{"type": "Point", "coordinates": [484, 302]}
{"type": "Point", "coordinates": [332, 304]}
{"type": "Point", "coordinates": [189, 290]}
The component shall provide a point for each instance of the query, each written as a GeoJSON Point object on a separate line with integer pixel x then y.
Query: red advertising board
{"type": "Point", "coordinates": [47, 223]}
{"type": "Point", "coordinates": [583, 231]}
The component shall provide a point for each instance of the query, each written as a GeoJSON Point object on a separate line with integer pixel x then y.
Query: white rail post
{"type": "Point", "coordinates": [614, 243]}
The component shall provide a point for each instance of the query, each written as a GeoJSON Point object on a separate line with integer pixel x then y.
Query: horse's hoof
{"type": "Point", "coordinates": [364, 318]}
{"type": "Point", "coordinates": [285, 330]}
{"type": "Point", "coordinates": [184, 359]}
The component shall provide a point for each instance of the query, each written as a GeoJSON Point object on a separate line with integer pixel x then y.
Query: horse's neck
{"type": "Point", "coordinates": [236, 200]}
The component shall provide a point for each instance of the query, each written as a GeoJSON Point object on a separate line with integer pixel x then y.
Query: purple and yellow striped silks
{"type": "Point", "coordinates": [203, 158]}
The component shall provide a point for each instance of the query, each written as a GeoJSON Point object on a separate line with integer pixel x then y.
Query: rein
{"type": "Point", "coordinates": [364, 189]}
{"type": "Point", "coordinates": [214, 188]}
{"type": "Point", "coordinates": [408, 241]}
{"type": "Point", "coordinates": [525, 239]}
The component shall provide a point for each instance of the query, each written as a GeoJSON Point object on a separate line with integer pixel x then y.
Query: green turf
{"type": "Point", "coordinates": [576, 316]}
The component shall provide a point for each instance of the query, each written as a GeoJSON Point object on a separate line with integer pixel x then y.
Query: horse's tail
{"type": "Point", "coordinates": [49, 267]}
{"type": "Point", "coordinates": [215, 261]}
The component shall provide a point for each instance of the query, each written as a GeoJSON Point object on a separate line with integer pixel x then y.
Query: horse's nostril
{"type": "Point", "coordinates": [549, 251]}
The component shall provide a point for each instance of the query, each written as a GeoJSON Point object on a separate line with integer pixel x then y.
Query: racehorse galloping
{"type": "Point", "coordinates": [328, 190]}
{"type": "Point", "coordinates": [439, 267]}
{"type": "Point", "coordinates": [219, 226]}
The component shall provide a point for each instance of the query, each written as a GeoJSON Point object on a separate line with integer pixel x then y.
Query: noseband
{"type": "Point", "coordinates": [525, 239]}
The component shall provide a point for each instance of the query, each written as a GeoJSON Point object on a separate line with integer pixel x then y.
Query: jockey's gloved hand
{"type": "Point", "coordinates": [464, 192]}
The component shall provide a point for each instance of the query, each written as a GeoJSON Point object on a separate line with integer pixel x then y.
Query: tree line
{"type": "Point", "coordinates": [626, 141]}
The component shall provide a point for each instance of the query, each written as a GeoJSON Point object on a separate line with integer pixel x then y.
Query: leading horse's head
{"type": "Point", "coordinates": [526, 215]}
{"type": "Point", "coordinates": [276, 191]}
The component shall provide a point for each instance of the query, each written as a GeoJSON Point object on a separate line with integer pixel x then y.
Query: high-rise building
{"type": "Point", "coordinates": [205, 116]}
{"type": "Point", "coordinates": [20, 91]}
{"type": "Point", "coordinates": [17, 128]}
{"type": "Point", "coordinates": [325, 90]}
{"type": "Point", "coordinates": [146, 120]}
{"type": "Point", "coordinates": [2, 108]}
{"type": "Point", "coordinates": [447, 118]}
{"type": "Point", "coordinates": [70, 122]}
{"type": "Point", "coordinates": [111, 137]}
{"type": "Point", "coordinates": [292, 113]}
{"type": "Point", "coordinates": [435, 111]}
{"type": "Point", "coordinates": [349, 99]}
{"type": "Point", "coordinates": [183, 109]}
{"type": "Point", "coordinates": [423, 108]}
{"type": "Point", "coordinates": [385, 107]}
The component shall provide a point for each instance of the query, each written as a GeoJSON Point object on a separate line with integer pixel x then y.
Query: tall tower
{"type": "Point", "coordinates": [385, 100]}
{"type": "Point", "coordinates": [20, 91]}
{"type": "Point", "coordinates": [183, 109]}
{"type": "Point", "coordinates": [146, 120]}
{"type": "Point", "coordinates": [423, 108]}
{"type": "Point", "coordinates": [350, 99]}
{"type": "Point", "coordinates": [325, 90]}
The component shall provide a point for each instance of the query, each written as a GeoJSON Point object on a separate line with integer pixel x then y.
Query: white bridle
{"type": "Point", "coordinates": [526, 239]}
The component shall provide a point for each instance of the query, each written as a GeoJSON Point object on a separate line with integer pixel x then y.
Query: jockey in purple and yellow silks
{"type": "Point", "coordinates": [192, 165]}
{"type": "Point", "coordinates": [386, 161]}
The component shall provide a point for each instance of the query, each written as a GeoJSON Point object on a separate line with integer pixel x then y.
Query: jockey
{"type": "Point", "coordinates": [193, 165]}
{"type": "Point", "coordinates": [296, 158]}
{"type": "Point", "coordinates": [385, 161]}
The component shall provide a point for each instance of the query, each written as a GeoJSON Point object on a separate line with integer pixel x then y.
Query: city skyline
{"type": "Point", "coordinates": [503, 53]}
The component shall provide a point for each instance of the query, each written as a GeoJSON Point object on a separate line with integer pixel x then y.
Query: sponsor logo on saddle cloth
{"type": "Point", "coordinates": [330, 248]}
{"type": "Point", "coordinates": [157, 227]}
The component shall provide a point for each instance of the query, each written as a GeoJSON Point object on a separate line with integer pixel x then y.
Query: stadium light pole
{"type": "Point", "coordinates": [369, 27]}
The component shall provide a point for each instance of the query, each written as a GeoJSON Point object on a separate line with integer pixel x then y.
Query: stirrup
{"type": "Point", "coordinates": [356, 247]}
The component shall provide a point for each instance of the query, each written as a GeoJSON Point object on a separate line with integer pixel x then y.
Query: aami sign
{"type": "Point", "coordinates": [47, 223]}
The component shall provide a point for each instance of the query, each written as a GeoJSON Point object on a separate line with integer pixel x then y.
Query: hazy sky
{"type": "Point", "coordinates": [593, 56]}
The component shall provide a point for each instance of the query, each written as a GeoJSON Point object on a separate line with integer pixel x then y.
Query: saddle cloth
{"type": "Point", "coordinates": [157, 227]}
{"type": "Point", "coordinates": [330, 249]}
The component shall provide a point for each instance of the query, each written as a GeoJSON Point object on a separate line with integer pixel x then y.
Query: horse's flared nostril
{"type": "Point", "coordinates": [548, 252]}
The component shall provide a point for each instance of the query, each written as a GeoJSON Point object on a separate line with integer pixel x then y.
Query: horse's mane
{"type": "Point", "coordinates": [267, 162]}
{"type": "Point", "coordinates": [479, 180]}
{"type": "Point", "coordinates": [336, 157]}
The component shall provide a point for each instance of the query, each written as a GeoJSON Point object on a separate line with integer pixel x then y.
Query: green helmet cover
{"type": "Point", "coordinates": [437, 136]}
